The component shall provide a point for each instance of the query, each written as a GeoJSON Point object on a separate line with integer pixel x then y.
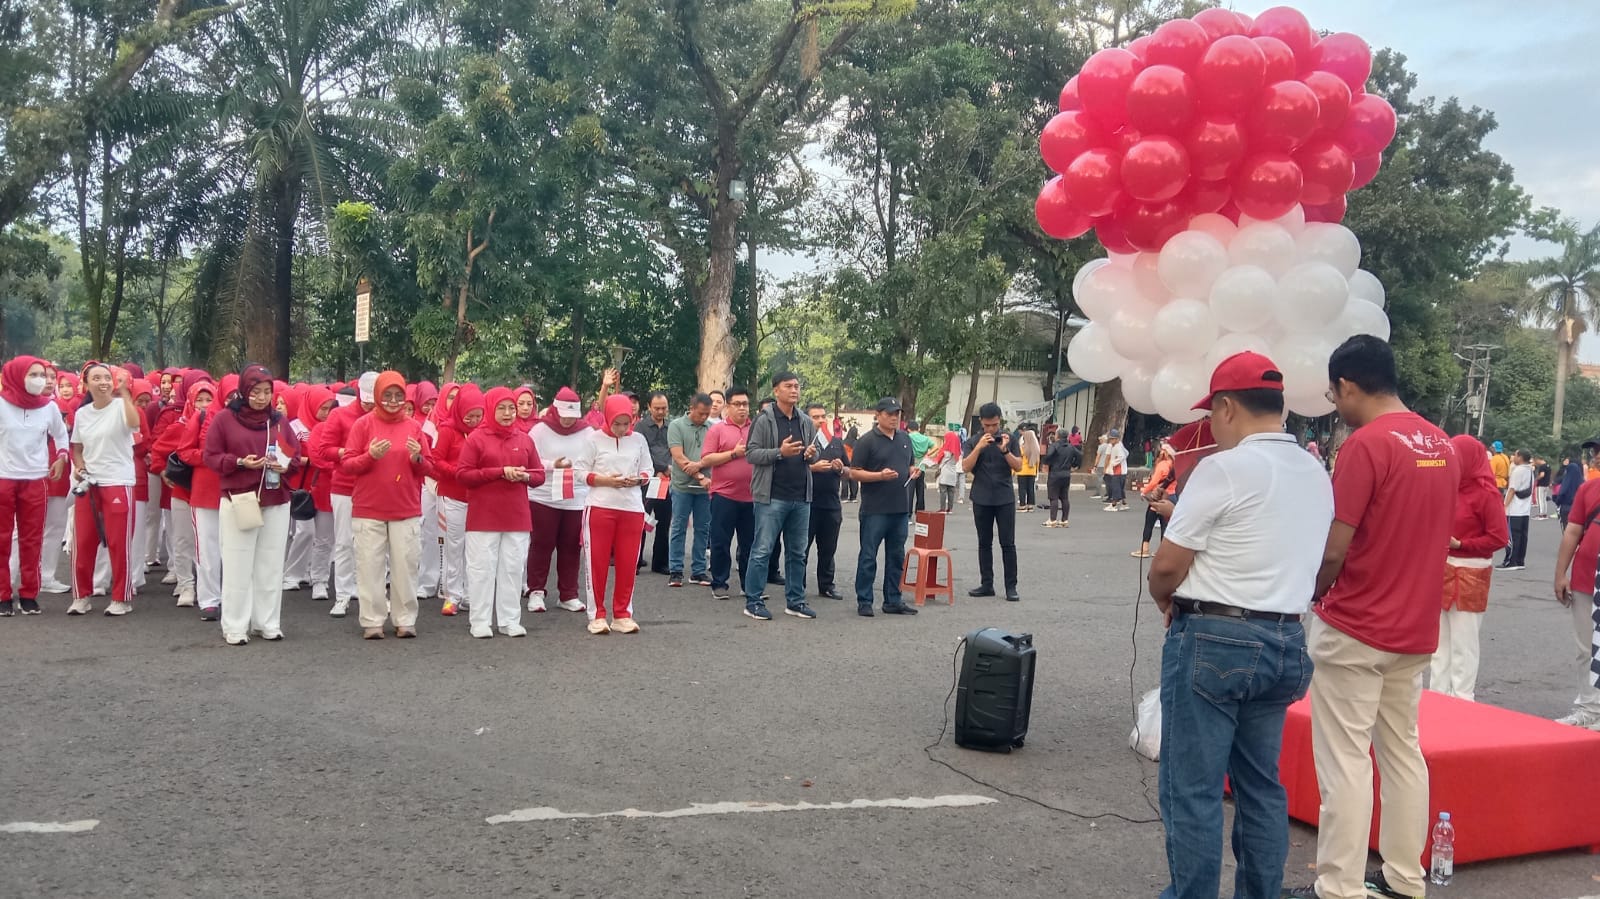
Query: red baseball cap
{"type": "Point", "coordinates": [1243, 371]}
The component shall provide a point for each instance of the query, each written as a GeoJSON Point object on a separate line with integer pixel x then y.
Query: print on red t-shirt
{"type": "Point", "coordinates": [1395, 483]}
{"type": "Point", "coordinates": [1584, 504]}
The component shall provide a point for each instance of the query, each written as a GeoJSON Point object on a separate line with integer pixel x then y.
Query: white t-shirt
{"type": "Point", "coordinates": [1257, 518]}
{"type": "Point", "coordinates": [24, 440]}
{"type": "Point", "coordinates": [107, 443]}
{"type": "Point", "coordinates": [1521, 479]}
{"type": "Point", "coordinates": [1116, 459]}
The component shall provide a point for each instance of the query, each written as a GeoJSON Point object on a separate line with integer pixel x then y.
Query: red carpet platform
{"type": "Point", "coordinates": [1512, 783]}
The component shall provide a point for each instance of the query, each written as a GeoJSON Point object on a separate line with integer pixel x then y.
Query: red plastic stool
{"type": "Point", "coordinates": [925, 583]}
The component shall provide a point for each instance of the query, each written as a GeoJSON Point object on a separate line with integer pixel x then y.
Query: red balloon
{"type": "Point", "coordinates": [1139, 46]}
{"type": "Point", "coordinates": [1069, 95]}
{"type": "Point", "coordinates": [1126, 137]}
{"type": "Point", "coordinates": [1328, 171]}
{"type": "Point", "coordinates": [1161, 100]}
{"type": "Point", "coordinates": [1179, 43]}
{"type": "Point", "coordinates": [1290, 26]}
{"type": "Point", "coordinates": [1155, 169]}
{"type": "Point", "coordinates": [1268, 185]}
{"type": "Point", "coordinates": [1366, 170]}
{"type": "Point", "coordinates": [1215, 145]}
{"type": "Point", "coordinates": [1246, 21]}
{"type": "Point", "coordinates": [1333, 100]}
{"type": "Point", "coordinates": [1067, 135]}
{"type": "Point", "coordinates": [1281, 63]}
{"type": "Point", "coordinates": [1148, 226]}
{"type": "Point", "coordinates": [1331, 212]}
{"type": "Point", "coordinates": [1111, 236]}
{"type": "Point", "coordinates": [1056, 214]}
{"type": "Point", "coordinates": [1219, 23]}
{"type": "Point", "coordinates": [1103, 85]}
{"type": "Point", "coordinates": [1369, 127]}
{"type": "Point", "coordinates": [1201, 197]}
{"type": "Point", "coordinates": [1094, 181]}
{"type": "Point", "coordinates": [1345, 55]}
{"type": "Point", "coordinates": [1231, 74]}
{"type": "Point", "coordinates": [1283, 117]}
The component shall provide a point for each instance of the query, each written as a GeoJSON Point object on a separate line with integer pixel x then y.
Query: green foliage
{"type": "Point", "coordinates": [1522, 392]}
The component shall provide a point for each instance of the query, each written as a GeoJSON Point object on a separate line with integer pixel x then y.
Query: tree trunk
{"type": "Point", "coordinates": [715, 297]}
{"type": "Point", "coordinates": [754, 307]}
{"type": "Point", "coordinates": [282, 346]}
{"type": "Point", "coordinates": [972, 388]}
{"type": "Point", "coordinates": [162, 311]}
{"type": "Point", "coordinates": [1110, 411]}
{"type": "Point", "coordinates": [1563, 359]}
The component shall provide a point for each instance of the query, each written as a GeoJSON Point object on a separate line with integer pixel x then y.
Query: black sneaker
{"type": "Point", "coordinates": [864, 611]}
{"type": "Point", "coordinates": [1378, 885]}
{"type": "Point", "coordinates": [1306, 892]}
{"type": "Point", "coordinates": [30, 607]}
{"type": "Point", "coordinates": [7, 608]}
{"type": "Point", "coordinates": [675, 579]}
{"type": "Point", "coordinates": [719, 593]}
{"type": "Point", "coordinates": [830, 593]}
{"type": "Point", "coordinates": [700, 580]}
{"type": "Point", "coordinates": [899, 609]}
{"type": "Point", "coordinates": [981, 591]}
{"type": "Point", "coordinates": [1013, 596]}
{"type": "Point", "coordinates": [800, 611]}
{"type": "Point", "coordinates": [758, 611]}
{"type": "Point", "coordinates": [212, 614]}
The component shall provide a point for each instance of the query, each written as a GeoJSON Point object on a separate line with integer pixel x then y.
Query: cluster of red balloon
{"type": "Point", "coordinates": [1220, 113]}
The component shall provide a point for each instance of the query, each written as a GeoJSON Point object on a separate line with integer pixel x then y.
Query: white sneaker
{"type": "Point", "coordinates": [236, 639]}
{"type": "Point", "coordinates": [186, 599]}
{"type": "Point", "coordinates": [54, 587]}
{"type": "Point", "coordinates": [80, 607]}
{"type": "Point", "coordinates": [117, 607]}
{"type": "Point", "coordinates": [515, 630]}
{"type": "Point", "coordinates": [572, 605]}
{"type": "Point", "coordinates": [625, 626]}
{"type": "Point", "coordinates": [319, 592]}
{"type": "Point", "coordinates": [536, 601]}
{"type": "Point", "coordinates": [289, 586]}
{"type": "Point", "coordinates": [171, 578]}
{"type": "Point", "coordinates": [340, 606]}
{"type": "Point", "coordinates": [1580, 718]}
{"type": "Point", "coordinates": [271, 636]}
{"type": "Point", "coordinates": [482, 633]}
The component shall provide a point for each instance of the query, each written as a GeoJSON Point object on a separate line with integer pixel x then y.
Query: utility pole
{"type": "Point", "coordinates": [1477, 395]}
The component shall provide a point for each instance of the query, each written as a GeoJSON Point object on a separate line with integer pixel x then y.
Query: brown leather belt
{"type": "Point", "coordinates": [1197, 607]}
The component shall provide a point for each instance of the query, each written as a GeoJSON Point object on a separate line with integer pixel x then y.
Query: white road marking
{"type": "Point", "coordinates": [49, 826]}
{"type": "Point", "coordinates": [546, 813]}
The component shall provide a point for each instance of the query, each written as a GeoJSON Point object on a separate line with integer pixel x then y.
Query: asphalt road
{"type": "Point", "coordinates": [328, 766]}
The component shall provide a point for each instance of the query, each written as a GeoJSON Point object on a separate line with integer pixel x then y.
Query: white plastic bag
{"type": "Point", "coordinates": [1146, 736]}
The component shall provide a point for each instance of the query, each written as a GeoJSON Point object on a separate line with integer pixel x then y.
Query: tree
{"type": "Point", "coordinates": [1564, 295]}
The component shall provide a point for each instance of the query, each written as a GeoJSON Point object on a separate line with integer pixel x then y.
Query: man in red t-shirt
{"type": "Point", "coordinates": [1394, 495]}
{"type": "Point", "coordinates": [1580, 547]}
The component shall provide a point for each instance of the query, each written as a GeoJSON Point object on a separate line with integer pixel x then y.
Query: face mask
{"type": "Point", "coordinates": [35, 385]}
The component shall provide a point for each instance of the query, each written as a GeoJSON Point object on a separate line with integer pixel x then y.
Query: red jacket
{"type": "Point", "coordinates": [446, 456]}
{"type": "Point", "coordinates": [206, 490]}
{"type": "Point", "coordinates": [494, 503]}
{"type": "Point", "coordinates": [332, 436]}
{"type": "Point", "coordinates": [387, 489]}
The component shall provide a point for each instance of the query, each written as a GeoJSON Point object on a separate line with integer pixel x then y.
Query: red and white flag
{"type": "Point", "coordinates": [659, 486]}
{"type": "Point", "coordinates": [569, 484]}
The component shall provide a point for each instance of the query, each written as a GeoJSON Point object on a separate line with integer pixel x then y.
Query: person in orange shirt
{"type": "Point", "coordinates": [1500, 464]}
{"type": "Point", "coordinates": [1161, 486]}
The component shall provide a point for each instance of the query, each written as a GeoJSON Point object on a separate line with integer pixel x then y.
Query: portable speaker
{"type": "Point", "coordinates": [995, 691]}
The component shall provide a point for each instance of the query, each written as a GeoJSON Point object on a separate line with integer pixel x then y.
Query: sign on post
{"type": "Point", "coordinates": [363, 310]}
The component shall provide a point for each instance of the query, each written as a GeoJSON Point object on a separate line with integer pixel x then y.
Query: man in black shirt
{"type": "Point", "coordinates": [654, 429]}
{"type": "Point", "coordinates": [991, 462]}
{"type": "Point", "coordinates": [781, 449]}
{"type": "Point", "coordinates": [883, 465]}
{"type": "Point", "coordinates": [827, 514]}
{"type": "Point", "coordinates": [1541, 488]}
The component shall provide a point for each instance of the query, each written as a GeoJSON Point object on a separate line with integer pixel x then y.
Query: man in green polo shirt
{"type": "Point", "coordinates": [920, 445]}
{"type": "Point", "coordinates": [685, 437]}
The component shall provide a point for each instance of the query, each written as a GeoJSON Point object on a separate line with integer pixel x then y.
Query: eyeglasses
{"type": "Point", "coordinates": [393, 401]}
{"type": "Point", "coordinates": [740, 403]}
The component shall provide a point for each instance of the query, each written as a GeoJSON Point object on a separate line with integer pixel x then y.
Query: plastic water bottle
{"type": "Point", "coordinates": [1444, 851]}
{"type": "Point", "coordinates": [271, 477]}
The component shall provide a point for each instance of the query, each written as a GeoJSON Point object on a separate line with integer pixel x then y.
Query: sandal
{"type": "Point", "coordinates": [1141, 555]}
{"type": "Point", "coordinates": [405, 633]}
{"type": "Point", "coordinates": [372, 633]}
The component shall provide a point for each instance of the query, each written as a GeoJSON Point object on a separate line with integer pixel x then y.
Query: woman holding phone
{"type": "Point", "coordinates": [614, 463]}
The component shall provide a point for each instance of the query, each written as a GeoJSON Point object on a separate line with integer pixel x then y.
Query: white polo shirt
{"type": "Point", "coordinates": [1256, 517]}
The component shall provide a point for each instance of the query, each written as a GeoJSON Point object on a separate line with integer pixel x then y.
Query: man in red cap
{"type": "Point", "coordinates": [1234, 574]}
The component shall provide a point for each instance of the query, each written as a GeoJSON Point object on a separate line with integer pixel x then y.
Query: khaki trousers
{"type": "Point", "coordinates": [387, 547]}
{"type": "Point", "coordinates": [1362, 697]}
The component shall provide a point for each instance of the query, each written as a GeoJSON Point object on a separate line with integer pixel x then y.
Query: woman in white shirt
{"type": "Point", "coordinates": [28, 421]}
{"type": "Point", "coordinates": [614, 463]}
{"type": "Point", "coordinates": [102, 455]}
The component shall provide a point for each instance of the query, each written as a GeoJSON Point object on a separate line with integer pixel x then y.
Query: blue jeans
{"type": "Point", "coordinates": [792, 520]}
{"type": "Point", "coordinates": [889, 530]}
{"type": "Point", "coordinates": [730, 518]}
{"type": "Point", "coordinates": [684, 505]}
{"type": "Point", "coordinates": [1225, 686]}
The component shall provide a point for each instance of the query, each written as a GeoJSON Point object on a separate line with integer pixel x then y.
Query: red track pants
{"type": "Point", "coordinates": [22, 503]}
{"type": "Point", "coordinates": [114, 506]}
{"type": "Point", "coordinates": [611, 540]}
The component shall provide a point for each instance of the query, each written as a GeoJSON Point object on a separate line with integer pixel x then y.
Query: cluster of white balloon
{"type": "Point", "coordinates": [1163, 321]}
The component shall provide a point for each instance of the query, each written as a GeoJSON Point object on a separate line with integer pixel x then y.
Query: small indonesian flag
{"type": "Point", "coordinates": [659, 486]}
{"type": "Point", "coordinates": [569, 484]}
{"type": "Point", "coordinates": [649, 522]}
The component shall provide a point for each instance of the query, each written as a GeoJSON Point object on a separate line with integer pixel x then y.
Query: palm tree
{"type": "Point", "coordinates": [1564, 292]}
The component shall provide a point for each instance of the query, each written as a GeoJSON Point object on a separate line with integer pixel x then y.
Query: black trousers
{"type": "Point", "coordinates": [1151, 519]}
{"type": "Point", "coordinates": [919, 494]}
{"type": "Point", "coordinates": [658, 548]}
{"type": "Point", "coordinates": [1517, 554]}
{"type": "Point", "coordinates": [1060, 492]}
{"type": "Point", "coordinates": [1026, 492]}
{"type": "Point", "coordinates": [988, 519]}
{"type": "Point", "coordinates": [825, 525]}
{"type": "Point", "coordinates": [849, 489]}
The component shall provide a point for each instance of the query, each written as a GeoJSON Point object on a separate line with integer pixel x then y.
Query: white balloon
{"type": "Point", "coordinates": [1137, 381]}
{"type": "Point", "coordinates": [1148, 279]}
{"type": "Point", "coordinates": [1084, 272]}
{"type": "Point", "coordinates": [1242, 298]}
{"type": "Point", "coordinates": [1091, 356]}
{"type": "Point", "coordinates": [1365, 285]}
{"type": "Point", "coordinates": [1303, 359]}
{"type": "Point", "coordinates": [1177, 387]}
{"type": "Point", "coordinates": [1105, 290]}
{"type": "Point", "coordinates": [1122, 260]}
{"type": "Point", "coordinates": [1131, 326]}
{"type": "Point", "coordinates": [1265, 245]}
{"type": "Point", "coordinates": [1184, 329]}
{"type": "Point", "coordinates": [1362, 317]}
{"type": "Point", "coordinates": [1311, 297]}
{"type": "Point", "coordinates": [1310, 406]}
{"type": "Point", "coordinates": [1215, 225]}
{"type": "Point", "coordinates": [1232, 344]}
{"type": "Point", "coordinates": [1291, 221]}
{"type": "Point", "coordinates": [1190, 263]}
{"type": "Point", "coordinates": [1331, 243]}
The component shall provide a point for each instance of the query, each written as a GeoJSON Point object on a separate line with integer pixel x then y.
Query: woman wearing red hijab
{"type": "Point", "coordinates": [29, 423]}
{"type": "Point", "coordinates": [497, 466]}
{"type": "Point", "coordinates": [57, 510]}
{"type": "Point", "coordinates": [102, 454]}
{"type": "Point", "coordinates": [1480, 529]}
{"type": "Point", "coordinates": [311, 542]}
{"type": "Point", "coordinates": [205, 504]}
{"type": "Point", "coordinates": [560, 436]}
{"type": "Point", "coordinates": [143, 396]}
{"type": "Point", "coordinates": [198, 394]}
{"type": "Point", "coordinates": [433, 407]}
{"type": "Point", "coordinates": [527, 407]}
{"type": "Point", "coordinates": [251, 448]}
{"type": "Point", "coordinates": [388, 457]}
{"type": "Point", "coordinates": [615, 462]}
{"type": "Point", "coordinates": [465, 415]}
